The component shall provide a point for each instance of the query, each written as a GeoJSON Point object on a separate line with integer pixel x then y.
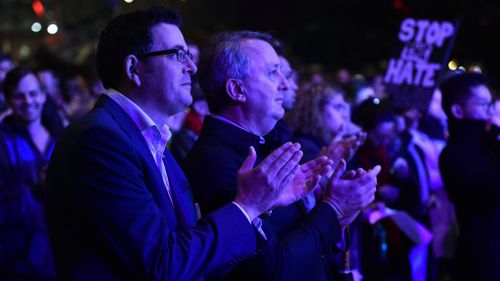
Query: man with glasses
{"type": "Point", "coordinates": [470, 167]}
{"type": "Point", "coordinates": [118, 205]}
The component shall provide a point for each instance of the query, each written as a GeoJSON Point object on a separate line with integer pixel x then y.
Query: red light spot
{"type": "Point", "coordinates": [38, 8]}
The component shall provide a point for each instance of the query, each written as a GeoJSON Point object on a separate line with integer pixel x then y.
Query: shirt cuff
{"type": "Point", "coordinates": [243, 211]}
{"type": "Point", "coordinates": [257, 222]}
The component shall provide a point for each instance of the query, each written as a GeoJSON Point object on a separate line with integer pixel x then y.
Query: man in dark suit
{"type": "Point", "coordinates": [118, 205]}
{"type": "Point", "coordinates": [470, 166]}
{"type": "Point", "coordinates": [241, 77]}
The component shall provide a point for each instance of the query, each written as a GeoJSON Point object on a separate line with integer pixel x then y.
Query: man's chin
{"type": "Point", "coordinates": [187, 99]}
{"type": "Point", "coordinates": [279, 113]}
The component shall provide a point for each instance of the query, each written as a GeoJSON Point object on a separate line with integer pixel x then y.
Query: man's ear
{"type": "Point", "coordinates": [457, 111]}
{"type": "Point", "coordinates": [235, 89]}
{"type": "Point", "coordinates": [131, 65]}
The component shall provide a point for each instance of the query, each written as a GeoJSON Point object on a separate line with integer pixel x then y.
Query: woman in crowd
{"type": "Point", "coordinates": [317, 118]}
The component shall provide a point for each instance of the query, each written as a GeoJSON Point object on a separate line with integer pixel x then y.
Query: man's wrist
{"type": "Point", "coordinates": [335, 208]}
{"type": "Point", "coordinates": [250, 213]}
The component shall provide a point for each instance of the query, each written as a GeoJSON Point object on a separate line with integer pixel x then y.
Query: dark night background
{"type": "Point", "coordinates": [356, 34]}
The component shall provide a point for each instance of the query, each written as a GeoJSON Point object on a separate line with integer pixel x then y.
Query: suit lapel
{"type": "Point", "coordinates": [152, 175]}
{"type": "Point", "coordinates": [181, 193]}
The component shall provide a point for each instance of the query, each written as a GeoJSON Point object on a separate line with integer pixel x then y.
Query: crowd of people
{"type": "Point", "coordinates": [226, 163]}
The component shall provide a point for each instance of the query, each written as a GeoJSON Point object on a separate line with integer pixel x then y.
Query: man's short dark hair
{"type": "Point", "coordinates": [13, 77]}
{"type": "Point", "coordinates": [128, 34]}
{"type": "Point", "coordinates": [456, 89]}
{"type": "Point", "coordinates": [222, 60]}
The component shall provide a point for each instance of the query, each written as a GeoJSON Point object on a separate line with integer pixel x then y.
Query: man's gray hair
{"type": "Point", "coordinates": [224, 59]}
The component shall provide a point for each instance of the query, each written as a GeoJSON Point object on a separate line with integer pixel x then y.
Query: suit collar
{"type": "Point", "coordinates": [152, 176]}
{"type": "Point", "coordinates": [184, 209]}
{"type": "Point", "coordinates": [231, 134]}
{"type": "Point", "coordinates": [119, 115]}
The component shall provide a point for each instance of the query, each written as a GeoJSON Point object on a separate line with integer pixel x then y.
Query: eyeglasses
{"type": "Point", "coordinates": [181, 55]}
{"type": "Point", "coordinates": [486, 106]}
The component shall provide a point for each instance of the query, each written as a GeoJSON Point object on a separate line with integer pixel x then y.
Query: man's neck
{"type": "Point", "coordinates": [159, 118]}
{"type": "Point", "coordinates": [241, 120]}
{"type": "Point", "coordinates": [35, 128]}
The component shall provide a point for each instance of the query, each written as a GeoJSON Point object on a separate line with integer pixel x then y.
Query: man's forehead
{"type": "Point", "coordinates": [28, 81]}
{"type": "Point", "coordinates": [167, 36]}
{"type": "Point", "coordinates": [480, 92]}
{"type": "Point", "coordinates": [260, 50]}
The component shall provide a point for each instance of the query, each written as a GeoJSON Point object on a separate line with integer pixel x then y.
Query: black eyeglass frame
{"type": "Point", "coordinates": [176, 51]}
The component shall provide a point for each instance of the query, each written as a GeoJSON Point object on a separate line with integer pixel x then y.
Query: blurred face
{"type": "Point", "coordinates": [383, 134]}
{"type": "Point", "coordinates": [289, 94]}
{"type": "Point", "coordinates": [76, 88]}
{"type": "Point", "coordinates": [27, 99]}
{"type": "Point", "coordinates": [343, 76]}
{"type": "Point", "coordinates": [48, 81]}
{"type": "Point", "coordinates": [263, 87]}
{"type": "Point", "coordinates": [436, 106]}
{"type": "Point", "coordinates": [479, 106]}
{"type": "Point", "coordinates": [333, 112]}
{"type": "Point", "coordinates": [195, 51]}
{"type": "Point", "coordinates": [166, 82]}
{"type": "Point", "coordinates": [5, 66]}
{"type": "Point", "coordinates": [496, 113]}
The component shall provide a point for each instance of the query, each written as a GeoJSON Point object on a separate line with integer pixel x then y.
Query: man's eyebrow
{"type": "Point", "coordinates": [275, 65]}
{"type": "Point", "coordinates": [178, 46]}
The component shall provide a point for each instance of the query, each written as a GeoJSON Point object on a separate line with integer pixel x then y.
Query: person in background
{"type": "Point", "coordinates": [384, 248]}
{"type": "Point", "coordinates": [6, 64]}
{"type": "Point", "coordinates": [76, 95]}
{"type": "Point", "coordinates": [53, 114]}
{"type": "Point", "coordinates": [25, 147]}
{"type": "Point", "coordinates": [442, 214]}
{"type": "Point", "coordinates": [195, 51]}
{"type": "Point", "coordinates": [318, 120]}
{"type": "Point", "coordinates": [183, 140]}
{"type": "Point", "coordinates": [318, 123]}
{"type": "Point", "coordinates": [470, 167]}
{"type": "Point", "coordinates": [281, 132]}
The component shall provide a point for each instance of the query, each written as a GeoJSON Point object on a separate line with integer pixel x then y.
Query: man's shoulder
{"type": "Point", "coordinates": [211, 157]}
{"type": "Point", "coordinates": [96, 118]}
{"type": "Point", "coordinates": [95, 130]}
{"type": "Point", "coordinates": [206, 147]}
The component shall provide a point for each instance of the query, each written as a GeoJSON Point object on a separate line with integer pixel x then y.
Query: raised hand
{"type": "Point", "coordinates": [350, 194]}
{"type": "Point", "coordinates": [305, 181]}
{"type": "Point", "coordinates": [344, 148]}
{"type": "Point", "coordinates": [260, 187]}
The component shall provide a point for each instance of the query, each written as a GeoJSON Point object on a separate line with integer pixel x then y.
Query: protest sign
{"type": "Point", "coordinates": [423, 50]}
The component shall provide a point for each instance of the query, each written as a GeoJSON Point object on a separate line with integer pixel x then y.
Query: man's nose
{"type": "Point", "coordinates": [190, 66]}
{"type": "Point", "coordinates": [283, 85]}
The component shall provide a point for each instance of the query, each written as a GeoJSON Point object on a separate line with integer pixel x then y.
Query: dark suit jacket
{"type": "Point", "coordinates": [298, 241]}
{"type": "Point", "coordinates": [110, 217]}
{"type": "Point", "coordinates": [470, 166]}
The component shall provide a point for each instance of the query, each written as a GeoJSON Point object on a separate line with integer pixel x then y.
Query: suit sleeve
{"type": "Point", "coordinates": [109, 188]}
{"type": "Point", "coordinates": [295, 252]}
{"type": "Point", "coordinates": [292, 250]}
